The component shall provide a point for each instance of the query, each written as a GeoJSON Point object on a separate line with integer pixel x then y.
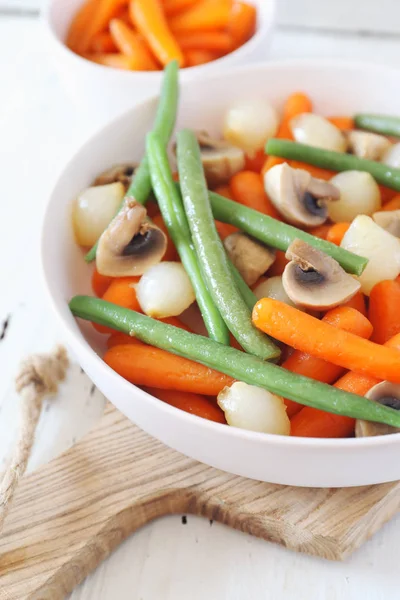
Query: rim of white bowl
{"type": "Point", "coordinates": [265, 22]}
{"type": "Point", "coordinates": [76, 338]}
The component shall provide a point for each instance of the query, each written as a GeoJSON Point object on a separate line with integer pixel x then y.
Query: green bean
{"type": "Point", "coordinates": [164, 123]}
{"type": "Point", "coordinates": [335, 161]}
{"type": "Point", "coordinates": [379, 124]}
{"type": "Point", "coordinates": [247, 294]}
{"type": "Point", "coordinates": [230, 361]}
{"type": "Point", "coordinates": [211, 253]}
{"type": "Point", "coordinates": [173, 213]}
{"type": "Point", "coordinates": [277, 234]}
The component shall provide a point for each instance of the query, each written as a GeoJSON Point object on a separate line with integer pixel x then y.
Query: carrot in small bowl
{"type": "Point", "coordinates": [242, 23]}
{"type": "Point", "coordinates": [150, 20]}
{"type": "Point", "coordinates": [218, 41]}
{"type": "Point", "coordinates": [195, 58]}
{"type": "Point", "coordinates": [205, 15]}
{"type": "Point", "coordinates": [103, 43]}
{"type": "Point", "coordinates": [131, 44]}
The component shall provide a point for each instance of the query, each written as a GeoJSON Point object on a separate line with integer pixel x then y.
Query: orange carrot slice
{"type": "Point", "coordinates": [131, 44]}
{"type": "Point", "coordinates": [150, 20]}
{"type": "Point", "coordinates": [192, 403]}
{"type": "Point", "coordinates": [242, 23]}
{"type": "Point", "coordinates": [205, 15]}
{"type": "Point", "coordinates": [306, 333]}
{"type": "Point", "coordinates": [384, 310]}
{"type": "Point", "coordinates": [145, 365]}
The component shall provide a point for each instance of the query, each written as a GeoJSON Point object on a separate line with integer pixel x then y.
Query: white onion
{"type": "Point", "coordinates": [359, 195]}
{"type": "Point", "coordinates": [250, 407]}
{"type": "Point", "coordinates": [365, 144]}
{"type": "Point", "coordinates": [273, 288]}
{"type": "Point", "coordinates": [165, 290]}
{"type": "Point", "coordinates": [249, 124]}
{"type": "Point", "coordinates": [366, 238]}
{"type": "Point", "coordinates": [314, 130]}
{"type": "Point", "coordinates": [93, 210]}
{"type": "Point", "coordinates": [392, 156]}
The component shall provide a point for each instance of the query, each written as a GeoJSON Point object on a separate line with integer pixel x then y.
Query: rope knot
{"type": "Point", "coordinates": [43, 372]}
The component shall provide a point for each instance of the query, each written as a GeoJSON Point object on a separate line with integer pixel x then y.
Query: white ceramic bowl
{"type": "Point", "coordinates": [107, 91]}
{"type": "Point", "coordinates": [335, 89]}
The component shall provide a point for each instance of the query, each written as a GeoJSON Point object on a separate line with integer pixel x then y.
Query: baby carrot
{"type": "Point", "coordinates": [115, 60]}
{"type": "Point", "coordinates": [151, 23]}
{"type": "Point", "coordinates": [255, 162]}
{"type": "Point", "coordinates": [146, 365]}
{"type": "Point", "coordinates": [296, 104]}
{"type": "Point", "coordinates": [100, 283]}
{"type": "Point", "coordinates": [172, 7]}
{"type": "Point", "coordinates": [248, 189]}
{"type": "Point", "coordinates": [305, 364]}
{"type": "Point", "coordinates": [343, 123]}
{"type": "Point", "coordinates": [171, 253]}
{"type": "Point", "coordinates": [192, 403]}
{"type": "Point", "coordinates": [242, 23]}
{"type": "Point", "coordinates": [99, 19]}
{"type": "Point", "coordinates": [204, 40]}
{"type": "Point", "coordinates": [224, 229]}
{"type": "Point", "coordinates": [194, 58]}
{"type": "Point", "coordinates": [312, 422]}
{"type": "Point", "coordinates": [321, 231]}
{"type": "Point", "coordinates": [336, 233]}
{"type": "Point", "coordinates": [278, 266]}
{"type": "Point", "coordinates": [132, 45]}
{"type": "Point", "coordinates": [316, 172]}
{"type": "Point", "coordinates": [384, 310]}
{"type": "Point", "coordinates": [225, 191]}
{"type": "Point", "coordinates": [121, 291]}
{"type": "Point", "coordinates": [205, 15]}
{"type": "Point", "coordinates": [357, 302]}
{"type": "Point", "coordinates": [306, 333]}
{"type": "Point", "coordinates": [393, 204]}
{"type": "Point", "coordinates": [79, 24]}
{"type": "Point", "coordinates": [103, 43]}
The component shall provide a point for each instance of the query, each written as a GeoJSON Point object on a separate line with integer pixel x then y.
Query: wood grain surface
{"type": "Point", "coordinates": [70, 514]}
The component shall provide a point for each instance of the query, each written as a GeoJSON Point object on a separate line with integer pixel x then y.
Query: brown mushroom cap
{"type": "Point", "coordinates": [385, 393]}
{"type": "Point", "coordinates": [250, 257]}
{"type": "Point", "coordinates": [130, 244]}
{"type": "Point", "coordinates": [221, 160]}
{"type": "Point", "coordinates": [122, 173]}
{"type": "Point", "coordinates": [299, 197]}
{"type": "Point", "coordinates": [367, 144]}
{"type": "Point", "coordinates": [389, 220]}
{"type": "Point", "coordinates": [314, 280]}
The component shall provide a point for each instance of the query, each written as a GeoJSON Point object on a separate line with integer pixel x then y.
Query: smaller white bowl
{"type": "Point", "coordinates": [105, 91]}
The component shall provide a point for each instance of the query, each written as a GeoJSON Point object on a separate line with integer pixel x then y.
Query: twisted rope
{"type": "Point", "coordinates": [38, 377]}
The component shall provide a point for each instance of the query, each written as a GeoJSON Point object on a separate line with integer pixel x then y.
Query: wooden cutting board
{"type": "Point", "coordinates": [70, 514]}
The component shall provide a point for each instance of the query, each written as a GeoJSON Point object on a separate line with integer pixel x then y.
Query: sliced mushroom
{"type": "Point", "coordinates": [130, 244]}
{"type": "Point", "coordinates": [122, 173]}
{"type": "Point", "coordinates": [368, 145]}
{"type": "Point", "coordinates": [314, 280]}
{"type": "Point", "coordinates": [389, 220]}
{"type": "Point", "coordinates": [221, 160]}
{"type": "Point", "coordinates": [385, 393]}
{"type": "Point", "coordinates": [250, 257]}
{"type": "Point", "coordinates": [300, 198]}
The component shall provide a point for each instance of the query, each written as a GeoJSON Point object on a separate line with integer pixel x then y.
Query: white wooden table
{"type": "Point", "coordinates": [169, 559]}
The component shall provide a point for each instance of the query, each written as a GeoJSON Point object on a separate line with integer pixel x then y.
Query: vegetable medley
{"type": "Point", "coordinates": [257, 285]}
{"type": "Point", "coordinates": [145, 35]}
